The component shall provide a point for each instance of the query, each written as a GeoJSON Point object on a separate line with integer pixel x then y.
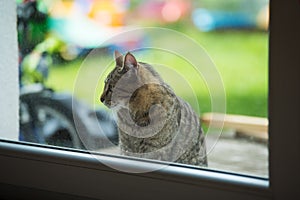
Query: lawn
{"type": "Point", "coordinates": [241, 57]}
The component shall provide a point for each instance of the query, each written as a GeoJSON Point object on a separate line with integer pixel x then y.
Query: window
{"type": "Point", "coordinates": [66, 167]}
{"type": "Point", "coordinates": [69, 46]}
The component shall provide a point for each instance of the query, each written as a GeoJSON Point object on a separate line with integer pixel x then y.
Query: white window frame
{"type": "Point", "coordinates": [37, 172]}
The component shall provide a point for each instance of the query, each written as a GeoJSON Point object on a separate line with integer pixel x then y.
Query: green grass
{"type": "Point", "coordinates": [241, 58]}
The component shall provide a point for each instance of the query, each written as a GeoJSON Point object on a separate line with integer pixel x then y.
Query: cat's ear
{"type": "Point", "coordinates": [118, 58]}
{"type": "Point", "coordinates": [130, 61]}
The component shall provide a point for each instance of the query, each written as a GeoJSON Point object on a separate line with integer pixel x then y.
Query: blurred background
{"type": "Point", "coordinates": [233, 32]}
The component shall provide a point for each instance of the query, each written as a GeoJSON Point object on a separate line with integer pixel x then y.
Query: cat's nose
{"type": "Point", "coordinates": [102, 99]}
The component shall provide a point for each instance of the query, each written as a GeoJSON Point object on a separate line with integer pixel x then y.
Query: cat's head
{"type": "Point", "coordinates": [121, 82]}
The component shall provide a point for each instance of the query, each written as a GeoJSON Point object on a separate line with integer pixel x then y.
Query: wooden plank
{"type": "Point", "coordinates": [247, 125]}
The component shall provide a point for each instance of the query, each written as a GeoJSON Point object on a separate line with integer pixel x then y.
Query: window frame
{"type": "Point", "coordinates": [32, 170]}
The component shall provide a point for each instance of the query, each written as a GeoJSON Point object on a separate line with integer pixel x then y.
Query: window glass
{"type": "Point", "coordinates": [180, 81]}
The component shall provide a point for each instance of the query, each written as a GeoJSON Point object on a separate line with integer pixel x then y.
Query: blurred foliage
{"type": "Point", "coordinates": [240, 56]}
{"type": "Point", "coordinates": [231, 5]}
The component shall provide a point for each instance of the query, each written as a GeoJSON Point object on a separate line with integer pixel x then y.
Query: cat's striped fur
{"type": "Point", "coordinates": [153, 122]}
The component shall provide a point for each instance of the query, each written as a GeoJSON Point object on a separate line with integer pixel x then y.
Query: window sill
{"type": "Point", "coordinates": [79, 173]}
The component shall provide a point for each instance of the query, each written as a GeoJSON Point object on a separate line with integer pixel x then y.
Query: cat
{"type": "Point", "coordinates": [153, 122]}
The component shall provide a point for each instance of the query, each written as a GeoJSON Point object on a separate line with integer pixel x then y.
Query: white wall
{"type": "Point", "coordinates": [9, 89]}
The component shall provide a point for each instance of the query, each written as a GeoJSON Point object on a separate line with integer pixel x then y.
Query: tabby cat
{"type": "Point", "coordinates": [153, 122]}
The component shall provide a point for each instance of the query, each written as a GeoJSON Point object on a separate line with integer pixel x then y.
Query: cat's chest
{"type": "Point", "coordinates": [135, 138]}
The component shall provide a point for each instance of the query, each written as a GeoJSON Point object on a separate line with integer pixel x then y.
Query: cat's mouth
{"type": "Point", "coordinates": [110, 104]}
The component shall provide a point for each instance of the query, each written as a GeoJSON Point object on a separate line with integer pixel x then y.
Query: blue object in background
{"type": "Point", "coordinates": [207, 20]}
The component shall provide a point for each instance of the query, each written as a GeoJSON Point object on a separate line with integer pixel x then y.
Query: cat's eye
{"type": "Point", "coordinates": [121, 70]}
{"type": "Point", "coordinates": [109, 88]}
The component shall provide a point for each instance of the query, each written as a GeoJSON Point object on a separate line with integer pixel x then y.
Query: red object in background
{"type": "Point", "coordinates": [164, 11]}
